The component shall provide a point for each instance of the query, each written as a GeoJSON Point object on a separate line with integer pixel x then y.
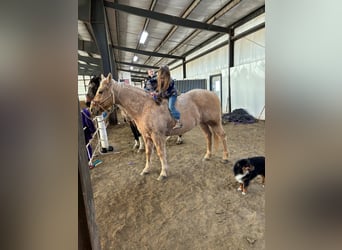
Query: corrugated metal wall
{"type": "Point", "coordinates": [186, 85]}
{"type": "Point", "coordinates": [247, 77]}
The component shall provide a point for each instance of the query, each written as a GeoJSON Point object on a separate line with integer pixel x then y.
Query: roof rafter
{"type": "Point", "coordinates": [88, 59]}
{"type": "Point", "coordinates": [148, 53]}
{"type": "Point", "coordinates": [138, 65]}
{"type": "Point", "coordinates": [166, 18]}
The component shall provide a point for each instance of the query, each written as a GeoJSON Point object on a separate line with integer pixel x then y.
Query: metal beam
{"type": "Point", "coordinates": [91, 47]}
{"type": "Point", "coordinates": [240, 22]}
{"type": "Point", "coordinates": [138, 65]}
{"type": "Point", "coordinates": [139, 74]}
{"type": "Point", "coordinates": [90, 67]}
{"type": "Point", "coordinates": [136, 76]}
{"type": "Point", "coordinates": [209, 21]}
{"type": "Point", "coordinates": [148, 53]}
{"type": "Point", "coordinates": [184, 69]}
{"type": "Point", "coordinates": [84, 10]}
{"type": "Point", "coordinates": [147, 20]}
{"type": "Point", "coordinates": [231, 64]}
{"type": "Point", "coordinates": [186, 13]}
{"type": "Point", "coordinates": [136, 80]}
{"type": "Point", "coordinates": [98, 24]}
{"type": "Point", "coordinates": [88, 59]}
{"type": "Point", "coordinates": [249, 31]}
{"type": "Point", "coordinates": [206, 42]}
{"type": "Point", "coordinates": [224, 43]}
{"type": "Point", "coordinates": [89, 71]}
{"type": "Point", "coordinates": [86, 72]}
{"type": "Point", "coordinates": [88, 46]}
{"type": "Point", "coordinates": [132, 71]}
{"type": "Point", "coordinates": [166, 18]}
{"type": "Point", "coordinates": [248, 17]}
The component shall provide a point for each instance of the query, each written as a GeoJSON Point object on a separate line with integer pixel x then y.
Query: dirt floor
{"type": "Point", "coordinates": [196, 207]}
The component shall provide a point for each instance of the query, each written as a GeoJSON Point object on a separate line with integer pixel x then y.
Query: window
{"type": "Point", "coordinates": [82, 86]}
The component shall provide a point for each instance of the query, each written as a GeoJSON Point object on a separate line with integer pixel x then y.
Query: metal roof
{"type": "Point", "coordinates": [175, 29]}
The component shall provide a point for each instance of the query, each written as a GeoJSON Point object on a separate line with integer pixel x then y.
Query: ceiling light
{"type": "Point", "coordinates": [131, 68]}
{"type": "Point", "coordinates": [135, 58]}
{"type": "Point", "coordinates": [143, 37]}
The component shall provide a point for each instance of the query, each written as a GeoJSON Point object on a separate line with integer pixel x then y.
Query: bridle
{"type": "Point", "coordinates": [100, 104]}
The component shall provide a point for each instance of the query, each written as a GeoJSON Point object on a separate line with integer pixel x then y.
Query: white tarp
{"type": "Point", "coordinates": [248, 88]}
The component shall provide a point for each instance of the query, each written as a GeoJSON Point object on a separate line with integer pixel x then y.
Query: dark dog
{"type": "Point", "coordinates": [246, 170]}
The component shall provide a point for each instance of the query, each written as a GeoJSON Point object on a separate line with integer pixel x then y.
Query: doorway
{"type": "Point", "coordinates": [216, 85]}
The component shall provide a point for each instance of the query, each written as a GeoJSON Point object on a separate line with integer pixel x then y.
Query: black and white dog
{"type": "Point", "coordinates": [247, 169]}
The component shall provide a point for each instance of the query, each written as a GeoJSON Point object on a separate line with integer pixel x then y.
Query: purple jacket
{"type": "Point", "coordinates": [88, 124]}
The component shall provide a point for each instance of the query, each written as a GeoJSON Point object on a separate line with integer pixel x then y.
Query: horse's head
{"type": "Point", "coordinates": [93, 85]}
{"type": "Point", "coordinates": [104, 97]}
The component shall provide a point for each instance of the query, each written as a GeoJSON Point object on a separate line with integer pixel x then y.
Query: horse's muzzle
{"type": "Point", "coordinates": [94, 109]}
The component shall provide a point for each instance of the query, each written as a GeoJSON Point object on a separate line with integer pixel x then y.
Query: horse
{"type": "Point", "coordinates": [197, 107]}
{"type": "Point", "coordinates": [93, 85]}
{"type": "Point", "coordinates": [138, 141]}
{"type": "Point", "coordinates": [92, 89]}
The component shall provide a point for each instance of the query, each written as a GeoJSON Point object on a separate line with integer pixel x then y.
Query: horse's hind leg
{"type": "Point", "coordinates": [206, 130]}
{"type": "Point", "coordinates": [148, 150]}
{"type": "Point", "coordinates": [159, 142]}
{"type": "Point", "coordinates": [219, 131]}
{"type": "Point", "coordinates": [141, 144]}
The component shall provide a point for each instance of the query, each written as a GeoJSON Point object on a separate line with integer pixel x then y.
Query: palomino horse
{"type": "Point", "coordinates": [93, 85]}
{"type": "Point", "coordinates": [197, 107]}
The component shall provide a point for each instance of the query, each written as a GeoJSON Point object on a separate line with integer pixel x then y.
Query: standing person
{"type": "Point", "coordinates": [150, 74]}
{"type": "Point", "coordinates": [89, 130]}
{"type": "Point", "coordinates": [151, 81]}
{"type": "Point", "coordinates": [166, 89]}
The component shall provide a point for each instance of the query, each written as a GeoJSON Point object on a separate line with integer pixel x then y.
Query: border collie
{"type": "Point", "coordinates": [247, 169]}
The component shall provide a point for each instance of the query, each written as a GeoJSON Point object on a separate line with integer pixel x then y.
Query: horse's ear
{"type": "Point", "coordinates": [109, 77]}
{"type": "Point", "coordinates": [102, 77]}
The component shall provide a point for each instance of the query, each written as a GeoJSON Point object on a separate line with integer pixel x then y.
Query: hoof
{"type": "Point", "coordinates": [225, 161]}
{"type": "Point", "coordinates": [161, 177]}
{"type": "Point", "coordinates": [144, 173]}
{"type": "Point", "coordinates": [141, 150]}
{"type": "Point", "coordinates": [243, 193]}
{"type": "Point", "coordinates": [205, 159]}
{"type": "Point", "coordinates": [136, 145]}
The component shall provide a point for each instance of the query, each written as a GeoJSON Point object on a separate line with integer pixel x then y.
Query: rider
{"type": "Point", "coordinates": [166, 89]}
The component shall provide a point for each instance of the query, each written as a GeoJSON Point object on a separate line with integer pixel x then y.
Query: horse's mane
{"type": "Point", "coordinates": [132, 89]}
{"type": "Point", "coordinates": [96, 80]}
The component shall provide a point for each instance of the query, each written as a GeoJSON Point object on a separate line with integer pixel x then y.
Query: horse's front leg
{"type": "Point", "coordinates": [208, 135]}
{"type": "Point", "coordinates": [160, 142]}
{"type": "Point", "coordinates": [148, 151]}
